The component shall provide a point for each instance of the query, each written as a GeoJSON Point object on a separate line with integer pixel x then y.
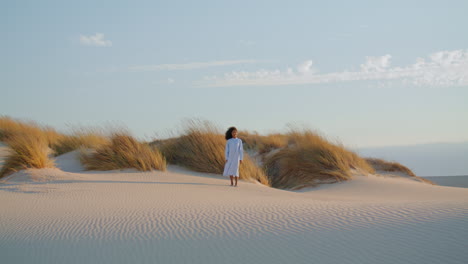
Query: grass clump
{"type": "Point", "coordinates": [263, 144]}
{"type": "Point", "coordinates": [10, 127]}
{"type": "Point", "coordinates": [391, 166]}
{"type": "Point", "coordinates": [309, 159]}
{"type": "Point", "coordinates": [123, 152]}
{"type": "Point", "coordinates": [58, 142]}
{"type": "Point", "coordinates": [201, 148]}
{"type": "Point", "coordinates": [27, 150]}
{"type": "Point", "coordinates": [383, 165]}
{"type": "Point", "coordinates": [79, 139]}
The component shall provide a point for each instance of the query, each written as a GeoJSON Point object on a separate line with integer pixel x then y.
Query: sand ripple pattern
{"type": "Point", "coordinates": [176, 218]}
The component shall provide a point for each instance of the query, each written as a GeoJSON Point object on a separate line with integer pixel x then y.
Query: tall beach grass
{"type": "Point", "coordinates": [201, 148]}
{"type": "Point", "coordinates": [310, 159]}
{"type": "Point", "coordinates": [28, 144]}
{"type": "Point", "coordinates": [32, 145]}
{"type": "Point", "coordinates": [123, 152]}
{"type": "Point", "coordinates": [263, 143]}
{"type": "Point", "coordinates": [10, 127]}
{"type": "Point", "coordinates": [298, 159]}
{"type": "Point", "coordinates": [27, 150]}
{"type": "Point", "coordinates": [83, 138]}
{"type": "Point", "coordinates": [395, 167]}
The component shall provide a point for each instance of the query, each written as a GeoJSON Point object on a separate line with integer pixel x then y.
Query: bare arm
{"type": "Point", "coordinates": [241, 151]}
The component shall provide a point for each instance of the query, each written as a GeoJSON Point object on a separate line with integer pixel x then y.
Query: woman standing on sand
{"type": "Point", "coordinates": [234, 154]}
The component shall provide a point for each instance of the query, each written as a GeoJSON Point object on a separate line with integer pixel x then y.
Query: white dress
{"type": "Point", "coordinates": [234, 153]}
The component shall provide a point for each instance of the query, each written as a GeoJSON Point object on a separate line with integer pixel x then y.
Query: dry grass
{"type": "Point", "coordinates": [124, 152]}
{"type": "Point", "coordinates": [251, 140]}
{"type": "Point", "coordinates": [30, 148]}
{"type": "Point", "coordinates": [79, 139]}
{"type": "Point", "coordinates": [301, 158]}
{"type": "Point", "coordinates": [29, 145]}
{"type": "Point", "coordinates": [271, 142]}
{"type": "Point", "coordinates": [310, 159]}
{"type": "Point", "coordinates": [263, 144]}
{"type": "Point", "coordinates": [383, 165]}
{"type": "Point", "coordinates": [10, 127]}
{"type": "Point", "coordinates": [27, 150]}
{"type": "Point", "coordinates": [201, 148]}
{"type": "Point", "coordinates": [60, 143]}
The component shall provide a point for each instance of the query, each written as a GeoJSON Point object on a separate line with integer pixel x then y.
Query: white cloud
{"type": "Point", "coordinates": [376, 64]}
{"type": "Point", "coordinates": [444, 68]}
{"type": "Point", "coordinates": [305, 67]}
{"type": "Point", "coordinates": [95, 40]}
{"type": "Point", "coordinates": [189, 66]}
{"type": "Point", "coordinates": [170, 81]}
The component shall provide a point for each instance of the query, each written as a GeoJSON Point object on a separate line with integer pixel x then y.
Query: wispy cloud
{"type": "Point", "coordinates": [189, 66]}
{"type": "Point", "coordinates": [444, 68]}
{"type": "Point", "coordinates": [96, 40]}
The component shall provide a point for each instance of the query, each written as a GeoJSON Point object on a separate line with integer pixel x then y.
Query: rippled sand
{"type": "Point", "coordinates": [178, 216]}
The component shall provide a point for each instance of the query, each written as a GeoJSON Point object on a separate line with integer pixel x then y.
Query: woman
{"type": "Point", "coordinates": [234, 153]}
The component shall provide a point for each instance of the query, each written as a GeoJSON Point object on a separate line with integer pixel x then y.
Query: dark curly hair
{"type": "Point", "coordinates": [229, 132]}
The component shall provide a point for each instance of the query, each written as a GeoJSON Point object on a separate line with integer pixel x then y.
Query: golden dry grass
{"type": "Point", "coordinates": [383, 165]}
{"type": "Point", "coordinates": [303, 158]}
{"type": "Point", "coordinates": [10, 127]}
{"type": "Point", "coordinates": [251, 140]}
{"type": "Point", "coordinates": [60, 143]}
{"type": "Point", "coordinates": [79, 139]}
{"type": "Point", "coordinates": [27, 150]}
{"type": "Point", "coordinates": [123, 152]}
{"type": "Point", "coordinates": [29, 144]}
{"type": "Point", "coordinates": [309, 159]}
{"type": "Point", "coordinates": [201, 148]}
{"type": "Point", "coordinates": [263, 144]}
{"type": "Point", "coordinates": [392, 166]}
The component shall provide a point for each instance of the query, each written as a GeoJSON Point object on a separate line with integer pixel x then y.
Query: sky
{"type": "Point", "coordinates": [366, 73]}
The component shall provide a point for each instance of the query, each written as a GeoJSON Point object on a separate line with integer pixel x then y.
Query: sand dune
{"type": "Point", "coordinates": [178, 216]}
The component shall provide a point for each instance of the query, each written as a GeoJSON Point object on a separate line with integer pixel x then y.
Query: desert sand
{"type": "Point", "coordinates": [67, 215]}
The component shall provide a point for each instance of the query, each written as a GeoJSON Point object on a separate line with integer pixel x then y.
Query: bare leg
{"type": "Point", "coordinates": [232, 183]}
{"type": "Point", "coordinates": [236, 180]}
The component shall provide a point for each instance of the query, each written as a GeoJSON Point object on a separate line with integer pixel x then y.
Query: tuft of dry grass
{"type": "Point", "coordinates": [79, 139]}
{"type": "Point", "coordinates": [250, 171]}
{"type": "Point", "coordinates": [124, 152]}
{"type": "Point", "coordinates": [271, 142]}
{"type": "Point", "coordinates": [30, 144]}
{"type": "Point", "coordinates": [201, 148]}
{"type": "Point", "coordinates": [263, 144]}
{"type": "Point", "coordinates": [60, 143]}
{"type": "Point", "coordinates": [10, 127]}
{"type": "Point", "coordinates": [251, 140]}
{"type": "Point", "coordinates": [27, 150]}
{"type": "Point", "coordinates": [309, 159]}
{"type": "Point", "coordinates": [383, 165]}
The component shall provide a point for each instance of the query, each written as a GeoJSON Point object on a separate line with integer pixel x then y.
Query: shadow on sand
{"type": "Point", "coordinates": [18, 187]}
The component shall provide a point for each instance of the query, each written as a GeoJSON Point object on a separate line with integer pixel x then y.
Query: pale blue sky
{"type": "Point", "coordinates": [347, 68]}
